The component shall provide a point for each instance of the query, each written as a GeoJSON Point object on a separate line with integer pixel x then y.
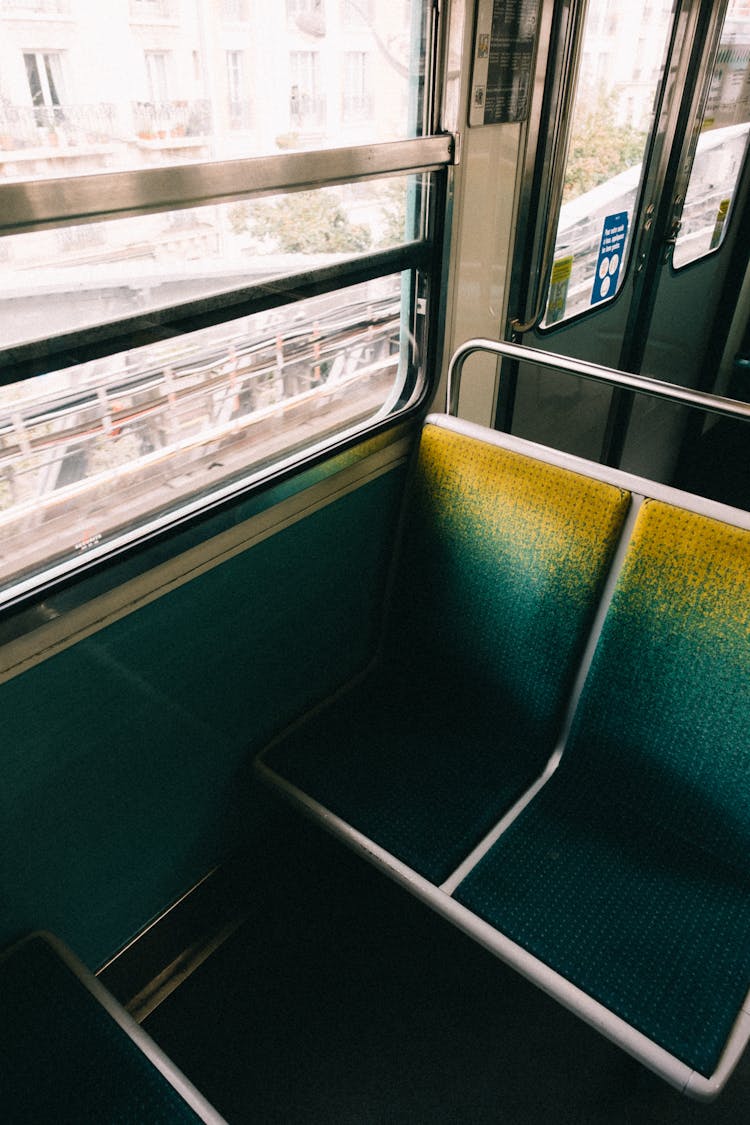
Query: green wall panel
{"type": "Point", "coordinates": [124, 758]}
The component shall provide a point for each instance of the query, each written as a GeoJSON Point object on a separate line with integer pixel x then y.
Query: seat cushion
{"type": "Point", "coordinates": [630, 872]}
{"type": "Point", "coordinates": [502, 565]}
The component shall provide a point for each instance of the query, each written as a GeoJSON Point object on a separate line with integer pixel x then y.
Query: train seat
{"type": "Point", "coordinates": [546, 606]}
{"type": "Point", "coordinates": [628, 873]}
{"type": "Point", "coordinates": [501, 568]}
{"type": "Point", "coordinates": [71, 1053]}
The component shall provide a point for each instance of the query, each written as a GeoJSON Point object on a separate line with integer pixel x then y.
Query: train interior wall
{"type": "Point", "coordinates": [125, 754]}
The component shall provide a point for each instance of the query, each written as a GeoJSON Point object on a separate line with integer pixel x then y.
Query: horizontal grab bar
{"type": "Point", "coordinates": [642, 384]}
{"type": "Point", "coordinates": [98, 196]}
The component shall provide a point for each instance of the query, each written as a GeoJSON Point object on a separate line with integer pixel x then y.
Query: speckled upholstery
{"type": "Point", "coordinates": [639, 846]}
{"type": "Point", "coordinates": [64, 1059]}
{"type": "Point", "coordinates": [628, 872]}
{"type": "Point", "coordinates": [501, 568]}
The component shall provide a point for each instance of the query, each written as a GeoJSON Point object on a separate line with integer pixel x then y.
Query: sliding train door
{"type": "Point", "coordinates": [638, 202]}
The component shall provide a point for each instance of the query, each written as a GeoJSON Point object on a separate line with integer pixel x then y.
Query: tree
{"type": "Point", "coordinates": [599, 148]}
{"type": "Point", "coordinates": [393, 211]}
{"type": "Point", "coordinates": [309, 222]}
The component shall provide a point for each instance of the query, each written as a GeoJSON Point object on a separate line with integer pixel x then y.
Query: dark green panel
{"type": "Point", "coordinates": [120, 756]}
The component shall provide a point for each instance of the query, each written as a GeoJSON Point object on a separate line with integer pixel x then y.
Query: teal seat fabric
{"type": "Point", "coordinates": [413, 765]}
{"type": "Point", "coordinates": [502, 565]}
{"type": "Point", "coordinates": [63, 1059]}
{"type": "Point", "coordinates": [629, 873]}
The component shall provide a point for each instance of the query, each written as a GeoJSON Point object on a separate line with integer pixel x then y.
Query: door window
{"type": "Point", "coordinates": [621, 66]}
{"type": "Point", "coordinates": [722, 142]}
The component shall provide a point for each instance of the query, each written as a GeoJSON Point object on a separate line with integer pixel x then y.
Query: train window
{"type": "Point", "coordinates": [92, 453]}
{"type": "Point", "coordinates": [159, 82]}
{"type": "Point", "coordinates": [74, 277]}
{"type": "Point", "coordinates": [621, 66]}
{"type": "Point", "coordinates": [211, 273]}
{"type": "Point", "coordinates": [721, 146]}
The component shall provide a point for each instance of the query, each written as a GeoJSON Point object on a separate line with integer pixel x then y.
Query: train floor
{"type": "Point", "coordinates": [341, 999]}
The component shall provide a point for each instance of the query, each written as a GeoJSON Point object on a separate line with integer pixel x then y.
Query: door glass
{"type": "Point", "coordinates": [621, 67]}
{"type": "Point", "coordinates": [722, 142]}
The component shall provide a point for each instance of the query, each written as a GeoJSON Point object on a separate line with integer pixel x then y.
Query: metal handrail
{"type": "Point", "coordinates": [559, 141]}
{"type": "Point", "coordinates": [98, 196]}
{"type": "Point", "coordinates": [657, 388]}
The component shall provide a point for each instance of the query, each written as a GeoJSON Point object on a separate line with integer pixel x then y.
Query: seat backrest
{"type": "Point", "coordinates": [502, 566]}
{"type": "Point", "coordinates": [663, 723]}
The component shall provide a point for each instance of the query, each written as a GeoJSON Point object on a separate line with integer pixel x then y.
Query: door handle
{"type": "Point", "coordinates": [674, 228]}
{"type": "Point", "coordinates": [645, 237]}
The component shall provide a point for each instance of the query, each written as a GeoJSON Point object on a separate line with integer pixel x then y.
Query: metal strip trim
{"type": "Point", "coordinates": [55, 636]}
{"type": "Point", "coordinates": [35, 204]}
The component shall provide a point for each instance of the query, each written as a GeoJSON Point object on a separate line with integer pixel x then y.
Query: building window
{"type": "Point", "coordinates": [306, 103]}
{"type": "Point", "coordinates": [239, 105]}
{"type": "Point", "coordinates": [357, 100]}
{"type": "Point", "coordinates": [156, 76]}
{"type": "Point", "coordinates": [235, 74]}
{"type": "Point", "coordinates": [44, 72]}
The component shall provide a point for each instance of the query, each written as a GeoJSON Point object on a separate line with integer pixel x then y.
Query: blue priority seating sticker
{"type": "Point", "coordinates": [614, 233]}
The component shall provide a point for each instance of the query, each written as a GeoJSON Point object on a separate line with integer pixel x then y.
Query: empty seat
{"type": "Point", "coordinates": [628, 873]}
{"type": "Point", "coordinates": [498, 577]}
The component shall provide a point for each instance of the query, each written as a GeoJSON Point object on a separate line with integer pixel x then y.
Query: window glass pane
{"type": "Point", "coordinates": [57, 281]}
{"type": "Point", "coordinates": [156, 75]}
{"type": "Point", "coordinates": [35, 82]}
{"type": "Point", "coordinates": [620, 71]}
{"type": "Point", "coordinates": [53, 72]}
{"type": "Point", "coordinates": [89, 453]}
{"type": "Point", "coordinates": [358, 102]}
{"type": "Point", "coordinates": [154, 82]}
{"type": "Point", "coordinates": [722, 144]}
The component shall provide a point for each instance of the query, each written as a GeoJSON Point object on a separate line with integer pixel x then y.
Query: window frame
{"type": "Point", "coordinates": [51, 89]}
{"type": "Point", "coordinates": [75, 201]}
{"type": "Point", "coordinates": [55, 204]}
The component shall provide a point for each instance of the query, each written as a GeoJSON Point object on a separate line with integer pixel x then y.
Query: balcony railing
{"type": "Point", "coordinates": [157, 120]}
{"type": "Point", "coordinates": [24, 126]}
{"type": "Point", "coordinates": [34, 7]}
{"type": "Point", "coordinates": [240, 114]}
{"type": "Point", "coordinates": [143, 10]}
{"type": "Point", "coordinates": [307, 111]}
{"type": "Point", "coordinates": [357, 107]}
